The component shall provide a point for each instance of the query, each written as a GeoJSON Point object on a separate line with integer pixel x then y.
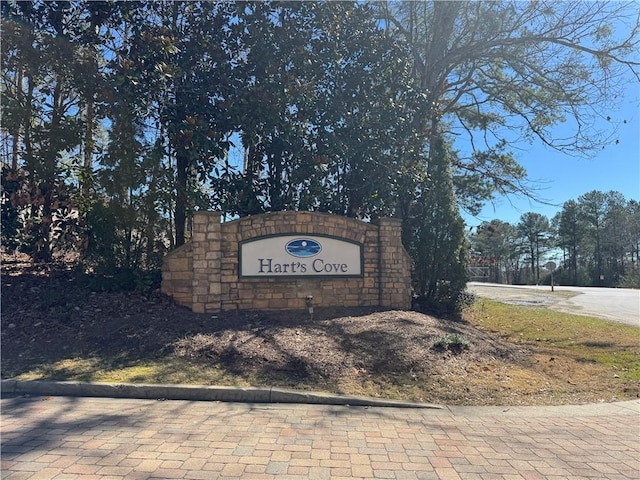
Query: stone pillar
{"type": "Point", "coordinates": [177, 275]}
{"type": "Point", "coordinates": [394, 266]}
{"type": "Point", "coordinates": [206, 251]}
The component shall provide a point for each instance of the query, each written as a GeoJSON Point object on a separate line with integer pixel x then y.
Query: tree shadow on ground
{"type": "Point", "coordinates": [63, 329]}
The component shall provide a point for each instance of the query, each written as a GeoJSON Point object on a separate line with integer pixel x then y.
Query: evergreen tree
{"type": "Point", "coordinates": [437, 244]}
{"type": "Point", "coordinates": [535, 231]}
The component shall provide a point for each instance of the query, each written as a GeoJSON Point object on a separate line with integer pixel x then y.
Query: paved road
{"type": "Point", "coordinates": [62, 438]}
{"type": "Point", "coordinates": [617, 304]}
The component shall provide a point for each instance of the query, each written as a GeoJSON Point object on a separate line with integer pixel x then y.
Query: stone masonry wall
{"type": "Point", "coordinates": [177, 274]}
{"type": "Point", "coordinates": [203, 274]}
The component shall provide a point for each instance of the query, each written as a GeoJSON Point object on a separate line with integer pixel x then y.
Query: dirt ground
{"type": "Point", "coordinates": [48, 316]}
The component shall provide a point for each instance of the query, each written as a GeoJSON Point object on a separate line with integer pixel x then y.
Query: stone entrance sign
{"type": "Point", "coordinates": [277, 260]}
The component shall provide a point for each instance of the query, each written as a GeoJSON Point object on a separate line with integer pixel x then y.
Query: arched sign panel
{"type": "Point", "coordinates": [298, 255]}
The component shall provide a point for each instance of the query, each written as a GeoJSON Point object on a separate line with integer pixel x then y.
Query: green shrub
{"type": "Point", "coordinates": [451, 342]}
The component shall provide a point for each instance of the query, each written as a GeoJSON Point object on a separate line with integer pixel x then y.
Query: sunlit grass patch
{"type": "Point", "coordinates": [583, 339]}
{"type": "Point", "coordinates": [166, 370]}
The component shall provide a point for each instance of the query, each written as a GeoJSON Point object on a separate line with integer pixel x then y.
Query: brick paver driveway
{"type": "Point", "coordinates": [57, 438]}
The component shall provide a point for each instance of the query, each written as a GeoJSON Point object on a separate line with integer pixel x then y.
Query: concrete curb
{"type": "Point", "coordinates": [195, 393]}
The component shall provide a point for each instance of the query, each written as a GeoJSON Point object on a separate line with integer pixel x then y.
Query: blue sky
{"type": "Point", "coordinates": [560, 177]}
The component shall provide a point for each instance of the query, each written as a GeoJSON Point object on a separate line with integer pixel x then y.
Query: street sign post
{"type": "Point", "coordinates": [551, 266]}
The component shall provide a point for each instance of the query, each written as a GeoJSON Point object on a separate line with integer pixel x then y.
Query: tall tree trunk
{"type": "Point", "coordinates": [89, 145]}
{"type": "Point", "coordinates": [26, 139]}
{"type": "Point", "coordinates": [248, 203]}
{"type": "Point", "coordinates": [15, 148]}
{"type": "Point", "coordinates": [47, 184]}
{"type": "Point", "coordinates": [15, 151]}
{"type": "Point", "coordinates": [537, 259]}
{"type": "Point", "coordinates": [182, 159]}
{"type": "Point", "coordinates": [182, 165]}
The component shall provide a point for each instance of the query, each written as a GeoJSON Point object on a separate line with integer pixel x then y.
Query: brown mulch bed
{"type": "Point", "coordinates": [51, 314]}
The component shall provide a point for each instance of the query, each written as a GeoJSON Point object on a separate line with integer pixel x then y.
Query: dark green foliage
{"type": "Point", "coordinates": [11, 222]}
{"type": "Point", "coordinates": [120, 279]}
{"type": "Point", "coordinates": [435, 235]}
{"type": "Point", "coordinates": [102, 236]}
{"type": "Point", "coordinates": [123, 118]}
{"type": "Point", "coordinates": [328, 104]}
{"type": "Point", "coordinates": [24, 220]}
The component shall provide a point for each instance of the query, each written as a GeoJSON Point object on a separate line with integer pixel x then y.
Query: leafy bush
{"type": "Point", "coordinates": [11, 221]}
{"type": "Point", "coordinates": [123, 280]}
{"type": "Point", "coordinates": [451, 342]}
{"type": "Point", "coordinates": [448, 301]}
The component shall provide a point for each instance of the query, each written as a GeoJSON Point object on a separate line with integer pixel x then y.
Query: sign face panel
{"type": "Point", "coordinates": [300, 256]}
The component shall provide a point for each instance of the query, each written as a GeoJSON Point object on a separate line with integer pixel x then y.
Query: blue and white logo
{"type": "Point", "coordinates": [303, 247]}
